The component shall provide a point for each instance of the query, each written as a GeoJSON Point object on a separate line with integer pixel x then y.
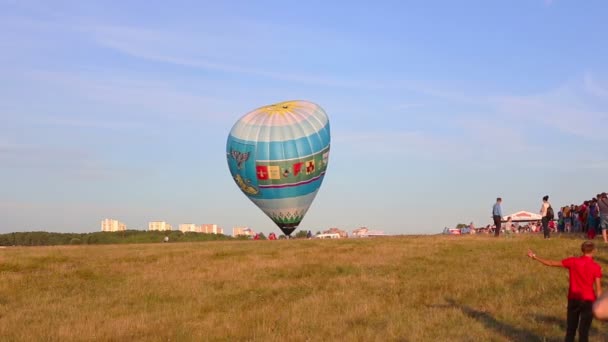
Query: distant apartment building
{"type": "Point", "coordinates": [360, 232]}
{"type": "Point", "coordinates": [343, 234]}
{"type": "Point", "coordinates": [211, 229]}
{"type": "Point", "coordinates": [242, 231]}
{"type": "Point", "coordinates": [365, 232]}
{"type": "Point", "coordinates": [110, 225]}
{"type": "Point", "coordinates": [189, 227]}
{"type": "Point", "coordinates": [159, 226]}
{"type": "Point", "coordinates": [203, 228]}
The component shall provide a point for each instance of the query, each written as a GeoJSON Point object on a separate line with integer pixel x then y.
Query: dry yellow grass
{"type": "Point", "coordinates": [434, 288]}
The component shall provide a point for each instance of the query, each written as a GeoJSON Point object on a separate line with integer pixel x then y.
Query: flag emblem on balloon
{"type": "Point", "coordinates": [310, 167]}
{"type": "Point", "coordinates": [262, 172]}
{"type": "Point", "coordinates": [278, 156]}
{"type": "Point", "coordinates": [297, 168]}
{"type": "Point", "coordinates": [274, 172]}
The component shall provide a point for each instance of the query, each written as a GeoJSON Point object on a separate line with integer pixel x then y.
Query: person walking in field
{"type": "Point", "coordinates": [603, 208]}
{"type": "Point", "coordinates": [585, 273]}
{"type": "Point", "coordinates": [497, 216]}
{"type": "Point", "coordinates": [546, 212]}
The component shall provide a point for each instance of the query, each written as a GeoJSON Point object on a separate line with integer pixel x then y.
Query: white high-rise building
{"type": "Point", "coordinates": [211, 229]}
{"type": "Point", "coordinates": [111, 225]}
{"type": "Point", "coordinates": [246, 231]}
{"type": "Point", "coordinates": [189, 227]}
{"type": "Point", "coordinates": [159, 226]}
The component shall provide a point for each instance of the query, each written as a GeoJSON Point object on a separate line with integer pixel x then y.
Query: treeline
{"type": "Point", "coordinates": [99, 238]}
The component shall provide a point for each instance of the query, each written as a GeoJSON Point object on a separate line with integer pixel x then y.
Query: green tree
{"type": "Point", "coordinates": [301, 234]}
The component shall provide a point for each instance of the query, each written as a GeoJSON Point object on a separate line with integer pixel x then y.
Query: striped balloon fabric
{"type": "Point", "coordinates": [278, 156]}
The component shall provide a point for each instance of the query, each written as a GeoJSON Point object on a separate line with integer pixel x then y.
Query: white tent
{"type": "Point", "coordinates": [523, 216]}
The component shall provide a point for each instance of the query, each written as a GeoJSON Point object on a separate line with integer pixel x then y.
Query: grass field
{"type": "Point", "coordinates": [434, 288]}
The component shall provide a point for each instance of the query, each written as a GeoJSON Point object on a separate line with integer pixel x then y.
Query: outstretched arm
{"type": "Point", "coordinates": [545, 262]}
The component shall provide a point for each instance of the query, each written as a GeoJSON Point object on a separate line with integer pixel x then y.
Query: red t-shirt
{"type": "Point", "coordinates": [583, 271]}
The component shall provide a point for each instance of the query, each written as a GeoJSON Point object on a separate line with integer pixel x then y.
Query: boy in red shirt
{"type": "Point", "coordinates": [584, 274]}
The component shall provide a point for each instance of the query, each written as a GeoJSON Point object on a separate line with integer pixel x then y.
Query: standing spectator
{"type": "Point", "coordinates": [509, 224]}
{"type": "Point", "coordinates": [592, 219]}
{"type": "Point", "coordinates": [598, 219]}
{"type": "Point", "coordinates": [532, 227]}
{"type": "Point", "coordinates": [545, 212]}
{"type": "Point", "coordinates": [583, 211]}
{"type": "Point", "coordinates": [567, 218]}
{"type": "Point", "coordinates": [584, 274]}
{"type": "Point", "coordinates": [603, 205]}
{"type": "Point", "coordinates": [552, 226]}
{"type": "Point", "coordinates": [560, 220]}
{"type": "Point", "coordinates": [576, 222]}
{"type": "Point", "coordinates": [497, 215]}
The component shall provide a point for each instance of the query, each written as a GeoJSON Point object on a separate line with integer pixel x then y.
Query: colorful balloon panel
{"type": "Point", "coordinates": [278, 156]}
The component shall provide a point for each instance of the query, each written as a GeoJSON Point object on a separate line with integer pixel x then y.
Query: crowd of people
{"type": "Point", "coordinates": [589, 217]}
{"type": "Point", "coordinates": [510, 227]}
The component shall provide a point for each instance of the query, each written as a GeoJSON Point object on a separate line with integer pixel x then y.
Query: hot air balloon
{"type": "Point", "coordinates": [278, 156]}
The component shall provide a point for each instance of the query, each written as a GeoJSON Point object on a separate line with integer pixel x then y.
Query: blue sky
{"type": "Point", "coordinates": [122, 109]}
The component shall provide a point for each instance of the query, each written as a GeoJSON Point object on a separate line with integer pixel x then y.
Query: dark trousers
{"type": "Point", "coordinates": [497, 221]}
{"type": "Point", "coordinates": [545, 222]}
{"type": "Point", "coordinates": [579, 316]}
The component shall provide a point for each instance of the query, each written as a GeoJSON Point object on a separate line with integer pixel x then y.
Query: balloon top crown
{"type": "Point", "coordinates": [281, 108]}
{"type": "Point", "coordinates": [284, 114]}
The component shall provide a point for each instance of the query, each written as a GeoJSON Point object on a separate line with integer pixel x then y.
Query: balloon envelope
{"type": "Point", "coordinates": [278, 157]}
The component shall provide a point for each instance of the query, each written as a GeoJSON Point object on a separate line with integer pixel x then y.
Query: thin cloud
{"type": "Point", "coordinates": [594, 88]}
{"type": "Point", "coordinates": [75, 122]}
{"type": "Point", "coordinates": [67, 161]}
{"type": "Point", "coordinates": [552, 111]}
{"type": "Point", "coordinates": [417, 144]}
{"type": "Point", "coordinates": [594, 164]}
{"type": "Point", "coordinates": [478, 143]}
{"type": "Point", "coordinates": [153, 45]}
{"type": "Point", "coordinates": [407, 106]}
{"type": "Point", "coordinates": [508, 140]}
{"type": "Point", "coordinates": [150, 98]}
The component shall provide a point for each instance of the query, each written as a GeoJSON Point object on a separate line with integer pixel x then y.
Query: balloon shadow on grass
{"type": "Point", "coordinates": [561, 322]}
{"type": "Point", "coordinates": [490, 322]}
